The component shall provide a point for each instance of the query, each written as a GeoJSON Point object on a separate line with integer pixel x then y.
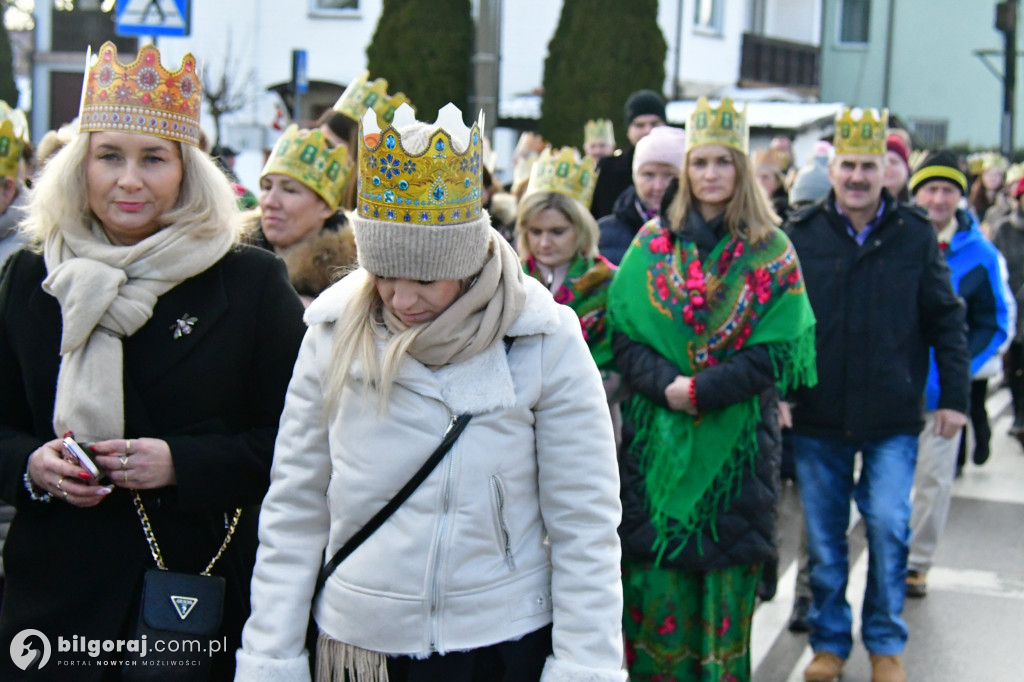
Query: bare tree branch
{"type": "Point", "coordinates": [231, 90]}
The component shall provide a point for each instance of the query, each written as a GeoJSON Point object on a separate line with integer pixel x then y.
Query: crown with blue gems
{"type": "Point", "coordinates": [565, 173]}
{"type": "Point", "coordinates": [360, 96]}
{"type": "Point", "coordinates": [861, 135]}
{"type": "Point", "coordinates": [437, 186]}
{"type": "Point", "coordinates": [141, 97]}
{"type": "Point", "coordinates": [13, 135]}
{"type": "Point", "coordinates": [722, 125]}
{"type": "Point", "coordinates": [306, 156]}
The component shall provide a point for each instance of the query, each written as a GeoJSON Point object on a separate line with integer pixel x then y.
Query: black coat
{"type": "Point", "coordinates": [618, 230]}
{"type": "Point", "coordinates": [615, 174]}
{"type": "Point", "coordinates": [879, 308]}
{"type": "Point", "coordinates": [745, 524]}
{"type": "Point", "coordinates": [214, 395]}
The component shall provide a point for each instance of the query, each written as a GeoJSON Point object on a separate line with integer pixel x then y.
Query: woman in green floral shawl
{"type": "Point", "coordinates": [710, 322]}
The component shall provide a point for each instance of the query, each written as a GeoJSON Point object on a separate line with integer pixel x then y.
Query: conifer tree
{"type": "Point", "coordinates": [8, 88]}
{"type": "Point", "coordinates": [424, 49]}
{"type": "Point", "coordinates": [602, 51]}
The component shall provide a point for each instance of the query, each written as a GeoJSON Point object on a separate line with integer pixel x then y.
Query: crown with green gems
{"type": "Point", "coordinates": [13, 135]}
{"type": "Point", "coordinates": [437, 186]}
{"type": "Point", "coordinates": [360, 96]}
{"type": "Point", "coordinates": [306, 156]}
{"type": "Point", "coordinates": [599, 130]}
{"type": "Point", "coordinates": [564, 173]}
{"type": "Point", "coordinates": [863, 135]}
{"type": "Point", "coordinates": [722, 125]}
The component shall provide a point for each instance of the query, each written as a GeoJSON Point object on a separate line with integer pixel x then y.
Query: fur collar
{"type": "Point", "coordinates": [479, 384]}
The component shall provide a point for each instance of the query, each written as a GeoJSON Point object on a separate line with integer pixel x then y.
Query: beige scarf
{"type": "Point", "coordinates": [107, 293]}
{"type": "Point", "coordinates": [476, 319]}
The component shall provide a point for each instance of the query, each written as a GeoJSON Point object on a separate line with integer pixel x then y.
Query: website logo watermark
{"type": "Point", "coordinates": [30, 649]}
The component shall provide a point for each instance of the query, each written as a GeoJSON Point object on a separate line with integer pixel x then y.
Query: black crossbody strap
{"type": "Point", "coordinates": [451, 434]}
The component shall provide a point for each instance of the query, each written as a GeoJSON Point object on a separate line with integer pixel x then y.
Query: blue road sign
{"type": "Point", "coordinates": [300, 72]}
{"type": "Point", "coordinates": [153, 17]}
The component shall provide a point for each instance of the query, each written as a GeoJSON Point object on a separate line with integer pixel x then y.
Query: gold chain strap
{"type": "Point", "coordinates": [154, 548]}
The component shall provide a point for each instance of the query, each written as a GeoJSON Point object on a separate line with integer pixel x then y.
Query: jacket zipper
{"type": "Point", "coordinates": [435, 580]}
{"type": "Point", "coordinates": [506, 537]}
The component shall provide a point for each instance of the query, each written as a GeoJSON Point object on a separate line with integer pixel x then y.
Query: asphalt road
{"type": "Point", "coordinates": [970, 626]}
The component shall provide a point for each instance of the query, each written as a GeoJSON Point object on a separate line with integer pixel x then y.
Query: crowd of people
{"type": "Point", "coordinates": [423, 428]}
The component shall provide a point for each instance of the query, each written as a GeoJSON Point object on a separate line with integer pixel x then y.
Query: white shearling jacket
{"type": "Point", "coordinates": [514, 529]}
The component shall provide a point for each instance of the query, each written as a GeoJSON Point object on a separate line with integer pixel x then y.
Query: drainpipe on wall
{"type": "Point", "coordinates": [888, 54]}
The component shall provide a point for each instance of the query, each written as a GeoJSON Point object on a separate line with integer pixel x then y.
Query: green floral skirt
{"type": "Point", "coordinates": [688, 627]}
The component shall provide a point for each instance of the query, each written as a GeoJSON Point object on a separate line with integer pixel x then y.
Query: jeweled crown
{"type": "Point", "coordinates": [863, 135]}
{"type": "Point", "coordinates": [13, 135]}
{"type": "Point", "coordinates": [141, 97]}
{"type": "Point", "coordinates": [306, 156]}
{"type": "Point", "coordinates": [361, 95]}
{"type": "Point", "coordinates": [565, 173]}
{"type": "Point", "coordinates": [979, 162]}
{"type": "Point", "coordinates": [437, 186]}
{"type": "Point", "coordinates": [722, 125]}
{"type": "Point", "coordinates": [600, 130]}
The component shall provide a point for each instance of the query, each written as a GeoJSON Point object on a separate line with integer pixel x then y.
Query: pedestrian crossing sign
{"type": "Point", "coordinates": [153, 17]}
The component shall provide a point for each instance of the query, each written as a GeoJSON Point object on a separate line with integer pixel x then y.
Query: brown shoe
{"type": "Point", "coordinates": [917, 584]}
{"type": "Point", "coordinates": [824, 667]}
{"type": "Point", "coordinates": [887, 669]}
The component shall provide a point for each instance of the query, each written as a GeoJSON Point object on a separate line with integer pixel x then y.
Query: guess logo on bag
{"type": "Point", "coordinates": [183, 605]}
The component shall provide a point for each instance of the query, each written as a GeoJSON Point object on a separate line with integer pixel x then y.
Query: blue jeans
{"type": "Point", "coordinates": [825, 468]}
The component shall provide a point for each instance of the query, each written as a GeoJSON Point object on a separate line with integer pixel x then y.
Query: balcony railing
{"type": "Point", "coordinates": [773, 62]}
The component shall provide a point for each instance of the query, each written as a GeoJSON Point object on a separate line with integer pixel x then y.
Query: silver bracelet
{"type": "Point", "coordinates": [33, 490]}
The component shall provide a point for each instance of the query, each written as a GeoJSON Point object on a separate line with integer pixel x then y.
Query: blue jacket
{"type": "Point", "coordinates": [978, 274]}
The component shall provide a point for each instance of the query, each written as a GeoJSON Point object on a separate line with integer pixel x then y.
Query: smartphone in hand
{"type": "Point", "coordinates": [75, 453]}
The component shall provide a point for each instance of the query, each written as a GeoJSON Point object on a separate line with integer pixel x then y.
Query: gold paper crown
{"type": "Point", "coordinates": [141, 97]}
{"type": "Point", "coordinates": [724, 126]}
{"type": "Point", "coordinates": [437, 186]}
{"type": "Point", "coordinates": [1014, 173]}
{"type": "Point", "coordinates": [979, 162]}
{"type": "Point", "coordinates": [564, 173]}
{"type": "Point", "coordinates": [600, 130]}
{"type": "Point", "coordinates": [306, 156]}
{"type": "Point", "coordinates": [13, 135]}
{"type": "Point", "coordinates": [865, 135]}
{"type": "Point", "coordinates": [360, 96]}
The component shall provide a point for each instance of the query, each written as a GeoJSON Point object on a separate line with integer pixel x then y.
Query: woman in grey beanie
{"type": "Point", "coordinates": [500, 565]}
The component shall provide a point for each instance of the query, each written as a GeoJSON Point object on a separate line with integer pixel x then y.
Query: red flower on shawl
{"type": "Point", "coordinates": [636, 614]}
{"type": "Point", "coordinates": [630, 654]}
{"type": "Point", "coordinates": [660, 244]}
{"type": "Point", "coordinates": [564, 296]}
{"type": "Point", "coordinates": [661, 284]}
{"type": "Point", "coordinates": [668, 626]}
{"type": "Point", "coordinates": [761, 282]}
{"type": "Point", "coordinates": [793, 277]}
{"type": "Point", "coordinates": [743, 336]}
{"type": "Point", "coordinates": [724, 627]}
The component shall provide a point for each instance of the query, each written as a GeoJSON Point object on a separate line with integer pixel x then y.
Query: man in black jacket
{"type": "Point", "coordinates": [881, 293]}
{"type": "Point", "coordinates": [645, 111]}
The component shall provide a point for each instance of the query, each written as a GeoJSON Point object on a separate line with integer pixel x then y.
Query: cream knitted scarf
{"type": "Point", "coordinates": [476, 319]}
{"type": "Point", "coordinates": [107, 293]}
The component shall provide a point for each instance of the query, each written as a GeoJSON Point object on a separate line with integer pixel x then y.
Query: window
{"type": "Point", "coordinates": [334, 8]}
{"type": "Point", "coordinates": [930, 133]}
{"type": "Point", "coordinates": [708, 16]}
{"type": "Point", "coordinates": [854, 16]}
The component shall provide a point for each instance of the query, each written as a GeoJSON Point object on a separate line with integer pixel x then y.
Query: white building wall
{"type": "Point", "coordinates": [796, 20]}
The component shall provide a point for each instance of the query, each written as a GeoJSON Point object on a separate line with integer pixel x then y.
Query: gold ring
{"type": "Point", "coordinates": [59, 482]}
{"type": "Point", "coordinates": [125, 476]}
{"type": "Point", "coordinates": [128, 447]}
{"type": "Point", "coordinates": [65, 494]}
{"type": "Point", "coordinates": [124, 461]}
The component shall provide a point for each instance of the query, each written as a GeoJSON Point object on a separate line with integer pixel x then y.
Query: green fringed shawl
{"type": "Point", "coordinates": [585, 290]}
{"type": "Point", "coordinates": [698, 315]}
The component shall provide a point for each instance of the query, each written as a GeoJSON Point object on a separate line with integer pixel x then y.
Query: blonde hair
{"type": "Point", "coordinates": [533, 204]}
{"type": "Point", "coordinates": [206, 202]}
{"type": "Point", "coordinates": [748, 215]}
